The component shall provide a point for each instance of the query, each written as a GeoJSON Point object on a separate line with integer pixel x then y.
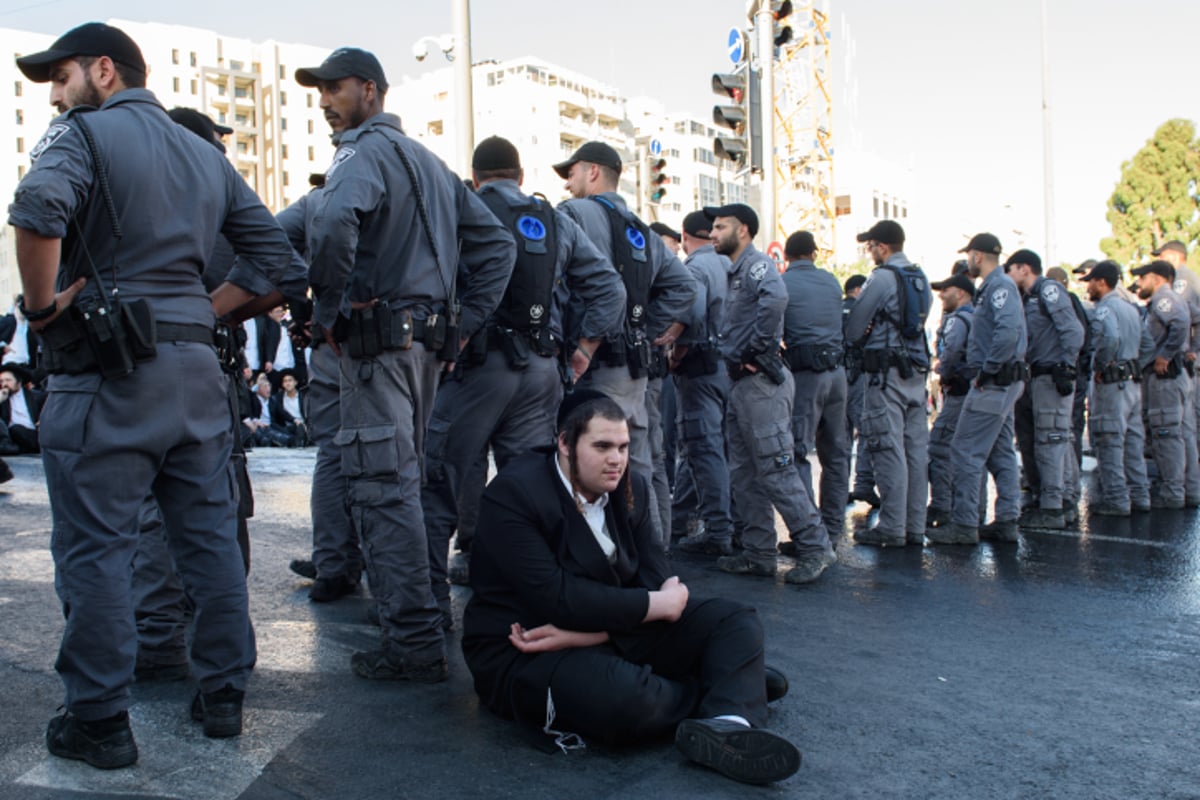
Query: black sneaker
{"type": "Point", "coordinates": [810, 567]}
{"type": "Point", "coordinates": [220, 711]}
{"type": "Point", "coordinates": [705, 545]}
{"type": "Point", "coordinates": [743, 564]}
{"type": "Point", "coordinates": [105, 744]}
{"type": "Point", "coordinates": [868, 496]}
{"type": "Point", "coordinates": [304, 567]}
{"type": "Point", "coordinates": [326, 590]}
{"type": "Point", "coordinates": [749, 755]}
{"type": "Point", "coordinates": [377, 666]}
{"type": "Point", "coordinates": [777, 683]}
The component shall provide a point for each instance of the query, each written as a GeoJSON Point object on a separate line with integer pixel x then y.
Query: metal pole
{"type": "Point", "coordinates": [764, 24]}
{"type": "Point", "coordinates": [1048, 148]}
{"type": "Point", "coordinates": [464, 104]}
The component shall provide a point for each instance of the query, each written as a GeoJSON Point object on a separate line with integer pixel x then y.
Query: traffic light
{"type": "Point", "coordinates": [781, 29]}
{"type": "Point", "coordinates": [744, 146]}
{"type": "Point", "coordinates": [656, 183]}
{"type": "Point", "coordinates": [734, 117]}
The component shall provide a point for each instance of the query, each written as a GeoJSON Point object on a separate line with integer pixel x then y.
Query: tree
{"type": "Point", "coordinates": [1156, 199]}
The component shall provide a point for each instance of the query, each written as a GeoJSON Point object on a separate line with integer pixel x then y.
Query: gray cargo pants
{"type": "Point", "coordinates": [984, 441]}
{"type": "Point", "coordinates": [896, 430]}
{"type": "Point", "coordinates": [1119, 440]}
{"type": "Point", "coordinates": [1053, 446]}
{"type": "Point", "coordinates": [818, 423]}
{"type": "Point", "coordinates": [335, 542]}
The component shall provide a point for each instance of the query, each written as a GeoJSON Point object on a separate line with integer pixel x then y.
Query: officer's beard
{"type": "Point", "coordinates": [87, 95]}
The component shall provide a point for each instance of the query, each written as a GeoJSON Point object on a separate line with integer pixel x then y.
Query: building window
{"type": "Point", "coordinates": [194, 87]}
{"type": "Point", "coordinates": [17, 88]}
{"type": "Point", "coordinates": [311, 153]}
{"type": "Point", "coordinates": [20, 117]}
{"type": "Point", "coordinates": [174, 56]}
{"type": "Point", "coordinates": [283, 124]}
{"type": "Point", "coordinates": [282, 72]}
{"type": "Point", "coordinates": [875, 206]}
{"type": "Point", "coordinates": [20, 171]}
{"type": "Point", "coordinates": [193, 58]}
{"type": "Point", "coordinates": [175, 85]}
{"type": "Point", "coordinates": [20, 144]}
{"type": "Point", "coordinates": [283, 150]}
{"type": "Point", "coordinates": [310, 126]}
{"type": "Point", "coordinates": [236, 66]}
{"type": "Point", "coordinates": [283, 98]}
{"type": "Point", "coordinates": [308, 98]}
{"type": "Point", "coordinates": [285, 179]}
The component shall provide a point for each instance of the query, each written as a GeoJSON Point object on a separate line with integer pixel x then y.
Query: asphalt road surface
{"type": "Point", "coordinates": [1065, 666]}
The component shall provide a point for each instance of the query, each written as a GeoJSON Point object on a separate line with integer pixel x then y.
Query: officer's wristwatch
{"type": "Point", "coordinates": [40, 314]}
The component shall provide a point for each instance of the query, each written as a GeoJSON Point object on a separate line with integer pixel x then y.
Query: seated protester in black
{"type": "Point", "coordinates": [576, 627]}
{"type": "Point", "coordinates": [287, 407]}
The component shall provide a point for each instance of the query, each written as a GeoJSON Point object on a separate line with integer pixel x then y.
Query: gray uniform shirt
{"type": "Point", "coordinates": [754, 307]}
{"type": "Point", "coordinates": [868, 324]}
{"type": "Point", "coordinates": [952, 338]}
{"type": "Point", "coordinates": [173, 192]}
{"type": "Point", "coordinates": [579, 269]}
{"type": "Point", "coordinates": [1116, 331]}
{"type": "Point", "coordinates": [1055, 334]}
{"type": "Point", "coordinates": [1168, 321]}
{"type": "Point", "coordinates": [1187, 286]}
{"type": "Point", "coordinates": [672, 287]}
{"type": "Point", "coordinates": [998, 330]}
{"type": "Point", "coordinates": [711, 272]}
{"type": "Point", "coordinates": [814, 308]}
{"type": "Point", "coordinates": [366, 238]}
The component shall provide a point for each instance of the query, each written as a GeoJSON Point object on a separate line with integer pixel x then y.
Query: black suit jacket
{"type": "Point", "coordinates": [34, 400]}
{"type": "Point", "coordinates": [535, 561]}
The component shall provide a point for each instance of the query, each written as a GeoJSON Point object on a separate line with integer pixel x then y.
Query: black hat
{"type": "Point", "coordinates": [20, 371]}
{"type": "Point", "coordinates": [799, 244]}
{"type": "Point", "coordinates": [1174, 244]}
{"type": "Point", "coordinates": [1107, 271]}
{"type": "Point", "coordinates": [959, 280]}
{"type": "Point", "coordinates": [494, 153]}
{"type": "Point", "coordinates": [886, 231]}
{"type": "Point", "coordinates": [199, 124]}
{"type": "Point", "coordinates": [853, 282]}
{"type": "Point", "coordinates": [1085, 268]}
{"type": "Point", "coordinates": [89, 39]}
{"type": "Point", "coordinates": [698, 225]}
{"type": "Point", "coordinates": [344, 62]}
{"type": "Point", "coordinates": [1027, 257]}
{"type": "Point", "coordinates": [1162, 268]}
{"type": "Point", "coordinates": [592, 153]}
{"type": "Point", "coordinates": [984, 243]}
{"type": "Point", "coordinates": [739, 211]}
{"type": "Point", "coordinates": [574, 400]}
{"type": "Point", "coordinates": [663, 229]}
{"type": "Point", "coordinates": [960, 266]}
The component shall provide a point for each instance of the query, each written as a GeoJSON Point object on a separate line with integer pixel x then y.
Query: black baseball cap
{"type": "Point", "coordinates": [663, 229]}
{"type": "Point", "coordinates": [345, 62]}
{"type": "Point", "coordinates": [800, 243]}
{"type": "Point", "coordinates": [200, 124]}
{"type": "Point", "coordinates": [1162, 268]}
{"type": "Point", "coordinates": [886, 231]}
{"type": "Point", "coordinates": [1027, 257]}
{"type": "Point", "coordinates": [1174, 244]}
{"type": "Point", "coordinates": [739, 211]}
{"type": "Point", "coordinates": [698, 225]}
{"type": "Point", "coordinates": [853, 282]}
{"type": "Point", "coordinates": [959, 280]}
{"type": "Point", "coordinates": [1085, 268]}
{"type": "Point", "coordinates": [984, 243]}
{"type": "Point", "coordinates": [592, 153]}
{"type": "Point", "coordinates": [1107, 271]}
{"type": "Point", "coordinates": [960, 266]}
{"type": "Point", "coordinates": [89, 39]}
{"type": "Point", "coordinates": [494, 153]}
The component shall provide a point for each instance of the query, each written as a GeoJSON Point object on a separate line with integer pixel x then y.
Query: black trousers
{"type": "Point", "coordinates": [25, 438]}
{"type": "Point", "coordinates": [641, 685]}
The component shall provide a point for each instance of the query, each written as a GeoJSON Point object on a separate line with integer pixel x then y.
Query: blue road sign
{"type": "Point", "coordinates": [736, 45]}
{"type": "Point", "coordinates": [655, 147]}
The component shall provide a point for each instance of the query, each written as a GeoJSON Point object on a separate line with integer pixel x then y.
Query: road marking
{"type": "Point", "coordinates": [176, 760]}
{"type": "Point", "coordinates": [1100, 537]}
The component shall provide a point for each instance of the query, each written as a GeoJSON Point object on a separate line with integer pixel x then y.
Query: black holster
{"type": "Point", "coordinates": [1063, 375]}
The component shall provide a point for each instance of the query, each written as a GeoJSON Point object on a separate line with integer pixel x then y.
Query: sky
{"type": "Point", "coordinates": [949, 89]}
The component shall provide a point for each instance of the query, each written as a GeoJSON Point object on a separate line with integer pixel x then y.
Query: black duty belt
{"type": "Point", "coordinates": [1037, 370]}
{"type": "Point", "coordinates": [174, 332]}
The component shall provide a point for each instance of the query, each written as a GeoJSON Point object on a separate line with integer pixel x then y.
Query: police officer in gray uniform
{"type": "Point", "coordinates": [1166, 384]}
{"type": "Point", "coordinates": [895, 360]}
{"type": "Point", "coordinates": [1116, 402]}
{"type": "Point", "coordinates": [150, 356]}
{"type": "Point", "coordinates": [657, 288]}
{"type": "Point", "coordinates": [386, 236]}
{"type": "Point", "coordinates": [1187, 286]}
{"type": "Point", "coordinates": [702, 387]}
{"type": "Point", "coordinates": [506, 389]}
{"type": "Point", "coordinates": [812, 335]}
{"type": "Point", "coordinates": [337, 560]}
{"type": "Point", "coordinates": [984, 438]}
{"type": "Point", "coordinates": [759, 422]}
{"type": "Point", "coordinates": [1055, 337]}
{"type": "Point", "coordinates": [863, 480]}
{"type": "Point", "coordinates": [957, 294]}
